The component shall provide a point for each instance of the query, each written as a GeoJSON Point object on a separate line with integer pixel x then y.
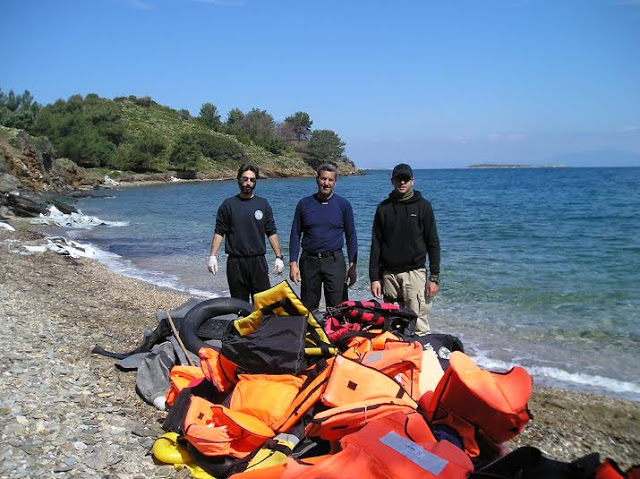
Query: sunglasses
{"type": "Point", "coordinates": [244, 179]}
{"type": "Point", "coordinates": [403, 178]}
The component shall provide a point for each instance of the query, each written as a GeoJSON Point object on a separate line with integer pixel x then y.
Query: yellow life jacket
{"type": "Point", "coordinates": [281, 300]}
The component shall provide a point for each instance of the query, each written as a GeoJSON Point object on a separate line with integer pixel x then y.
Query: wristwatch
{"type": "Point", "coordinates": [434, 278]}
{"type": "Point", "coordinates": [279, 257]}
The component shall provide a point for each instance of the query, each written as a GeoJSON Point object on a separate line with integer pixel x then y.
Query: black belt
{"type": "Point", "coordinates": [323, 255]}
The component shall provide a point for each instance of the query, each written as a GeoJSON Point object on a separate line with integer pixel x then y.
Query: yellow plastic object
{"type": "Point", "coordinates": [270, 457]}
{"type": "Point", "coordinates": [167, 450]}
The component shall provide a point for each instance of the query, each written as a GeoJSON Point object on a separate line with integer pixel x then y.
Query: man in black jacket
{"type": "Point", "coordinates": [404, 234]}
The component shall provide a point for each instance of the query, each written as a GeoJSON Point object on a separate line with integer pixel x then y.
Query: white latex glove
{"type": "Point", "coordinates": [278, 266]}
{"type": "Point", "coordinates": [213, 265]}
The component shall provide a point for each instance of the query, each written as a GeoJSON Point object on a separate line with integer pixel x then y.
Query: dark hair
{"type": "Point", "coordinates": [248, 167]}
{"type": "Point", "coordinates": [330, 167]}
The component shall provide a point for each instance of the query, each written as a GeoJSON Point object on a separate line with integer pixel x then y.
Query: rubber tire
{"type": "Point", "coordinates": [206, 310]}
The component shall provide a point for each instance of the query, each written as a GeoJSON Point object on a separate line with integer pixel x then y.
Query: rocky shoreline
{"type": "Point", "coordinates": [68, 413]}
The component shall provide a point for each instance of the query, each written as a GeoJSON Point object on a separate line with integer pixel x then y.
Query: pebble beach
{"type": "Point", "coordinates": [65, 412]}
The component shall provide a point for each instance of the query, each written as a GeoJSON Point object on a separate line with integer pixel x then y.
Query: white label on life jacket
{"type": "Point", "coordinates": [409, 449]}
{"type": "Point", "coordinates": [372, 357]}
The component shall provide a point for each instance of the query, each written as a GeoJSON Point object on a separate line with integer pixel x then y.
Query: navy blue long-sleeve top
{"type": "Point", "coordinates": [323, 226]}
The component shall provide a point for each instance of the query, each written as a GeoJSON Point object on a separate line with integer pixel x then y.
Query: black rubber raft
{"type": "Point", "coordinates": [220, 311]}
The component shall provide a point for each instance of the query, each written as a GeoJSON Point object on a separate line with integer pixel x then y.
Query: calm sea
{"type": "Point", "coordinates": [540, 267]}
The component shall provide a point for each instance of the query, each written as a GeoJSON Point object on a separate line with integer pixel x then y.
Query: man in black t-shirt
{"type": "Point", "coordinates": [244, 220]}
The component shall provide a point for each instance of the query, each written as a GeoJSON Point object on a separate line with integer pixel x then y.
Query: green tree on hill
{"type": "Point", "coordinates": [325, 145]}
{"type": "Point", "coordinates": [136, 133]}
{"type": "Point", "coordinates": [209, 116]}
{"type": "Point", "coordinates": [18, 111]}
{"type": "Point", "coordinates": [87, 132]}
{"type": "Point", "coordinates": [220, 148]}
{"type": "Point", "coordinates": [258, 124]}
{"type": "Point", "coordinates": [298, 126]}
{"type": "Point", "coordinates": [233, 125]}
{"type": "Point", "coordinates": [260, 127]}
{"type": "Point", "coordinates": [186, 153]}
{"type": "Point", "coordinates": [147, 153]}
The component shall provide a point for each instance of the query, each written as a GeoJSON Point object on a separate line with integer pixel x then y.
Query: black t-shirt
{"type": "Point", "coordinates": [244, 223]}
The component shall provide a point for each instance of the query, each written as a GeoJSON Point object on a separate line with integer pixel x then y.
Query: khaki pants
{"type": "Point", "coordinates": [407, 289]}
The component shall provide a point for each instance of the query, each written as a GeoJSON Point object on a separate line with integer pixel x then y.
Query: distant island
{"type": "Point", "coordinates": [490, 165]}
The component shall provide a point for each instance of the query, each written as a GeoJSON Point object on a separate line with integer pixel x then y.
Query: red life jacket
{"type": "Point", "coordinates": [609, 470]}
{"type": "Point", "coordinates": [370, 312]}
{"type": "Point", "coordinates": [471, 400]}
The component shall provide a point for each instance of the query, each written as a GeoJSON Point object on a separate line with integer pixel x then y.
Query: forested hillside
{"type": "Point", "coordinates": [139, 135]}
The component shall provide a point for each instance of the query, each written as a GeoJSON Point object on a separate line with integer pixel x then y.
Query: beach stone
{"type": "Point", "coordinates": [98, 461]}
{"type": "Point", "coordinates": [145, 432]}
{"type": "Point", "coordinates": [79, 445]}
{"type": "Point", "coordinates": [63, 468]}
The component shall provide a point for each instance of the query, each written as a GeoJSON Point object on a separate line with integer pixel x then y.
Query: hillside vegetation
{"type": "Point", "coordinates": [130, 134]}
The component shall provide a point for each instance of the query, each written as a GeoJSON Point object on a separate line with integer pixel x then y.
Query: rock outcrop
{"type": "Point", "coordinates": [31, 177]}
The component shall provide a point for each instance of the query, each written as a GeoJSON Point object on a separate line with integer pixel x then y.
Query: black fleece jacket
{"type": "Point", "coordinates": [404, 233]}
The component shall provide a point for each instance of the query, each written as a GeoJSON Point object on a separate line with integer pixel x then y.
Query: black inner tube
{"type": "Point", "coordinates": [206, 310]}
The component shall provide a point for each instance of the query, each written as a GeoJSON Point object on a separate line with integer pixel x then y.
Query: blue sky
{"type": "Point", "coordinates": [434, 83]}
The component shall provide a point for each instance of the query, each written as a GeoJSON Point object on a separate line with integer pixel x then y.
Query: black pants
{"type": "Point", "coordinates": [318, 272]}
{"type": "Point", "coordinates": [247, 275]}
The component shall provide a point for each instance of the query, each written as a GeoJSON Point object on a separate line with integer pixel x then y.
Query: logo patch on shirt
{"type": "Point", "coordinates": [258, 214]}
{"type": "Point", "coordinates": [413, 215]}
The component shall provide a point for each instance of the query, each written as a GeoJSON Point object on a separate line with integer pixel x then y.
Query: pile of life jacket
{"type": "Point", "coordinates": [355, 395]}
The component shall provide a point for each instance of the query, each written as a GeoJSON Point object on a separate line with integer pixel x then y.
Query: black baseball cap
{"type": "Point", "coordinates": [402, 170]}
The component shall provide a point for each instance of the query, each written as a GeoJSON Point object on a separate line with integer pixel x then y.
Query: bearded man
{"type": "Point", "coordinates": [243, 221]}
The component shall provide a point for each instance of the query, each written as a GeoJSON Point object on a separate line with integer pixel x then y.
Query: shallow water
{"type": "Point", "coordinates": [540, 267]}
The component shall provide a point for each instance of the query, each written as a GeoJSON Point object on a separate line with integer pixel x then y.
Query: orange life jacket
{"type": "Point", "coordinates": [337, 422]}
{"type": "Point", "coordinates": [396, 446]}
{"type": "Point", "coordinates": [275, 472]}
{"type": "Point", "coordinates": [315, 383]}
{"type": "Point", "coordinates": [472, 400]}
{"type": "Point", "coordinates": [180, 378]}
{"type": "Point", "coordinates": [349, 382]}
{"type": "Point", "coordinates": [219, 431]}
{"type": "Point", "coordinates": [372, 340]}
{"type": "Point", "coordinates": [417, 369]}
{"type": "Point", "coordinates": [264, 396]}
{"type": "Point", "coordinates": [217, 369]}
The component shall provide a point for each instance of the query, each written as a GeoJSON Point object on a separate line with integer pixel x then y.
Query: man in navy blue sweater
{"type": "Point", "coordinates": [323, 221]}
